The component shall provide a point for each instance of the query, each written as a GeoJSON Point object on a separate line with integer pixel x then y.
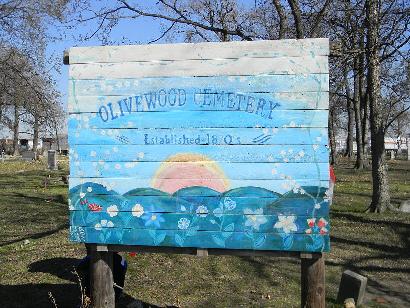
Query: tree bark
{"type": "Point", "coordinates": [381, 197]}
{"type": "Point", "coordinates": [16, 131]}
{"type": "Point", "coordinates": [364, 101]}
{"type": "Point", "coordinates": [282, 18]}
{"type": "Point", "coordinates": [350, 118]}
{"type": "Point", "coordinates": [358, 117]}
{"type": "Point", "coordinates": [332, 139]}
{"type": "Point", "coordinates": [297, 16]}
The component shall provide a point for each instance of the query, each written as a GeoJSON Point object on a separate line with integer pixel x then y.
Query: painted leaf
{"type": "Point", "coordinates": [228, 230]}
{"type": "Point", "coordinates": [159, 238]}
{"type": "Point", "coordinates": [260, 240]}
{"type": "Point", "coordinates": [218, 240]}
{"type": "Point", "coordinates": [287, 241]}
{"type": "Point", "coordinates": [179, 240]}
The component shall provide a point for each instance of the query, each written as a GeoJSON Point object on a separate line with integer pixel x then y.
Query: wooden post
{"type": "Point", "coordinates": [312, 281]}
{"type": "Point", "coordinates": [102, 281]}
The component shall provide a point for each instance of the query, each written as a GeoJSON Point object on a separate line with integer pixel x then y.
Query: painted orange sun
{"type": "Point", "coordinates": [189, 169]}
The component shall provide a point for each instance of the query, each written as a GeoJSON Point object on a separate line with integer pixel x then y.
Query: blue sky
{"type": "Point", "coordinates": [138, 31]}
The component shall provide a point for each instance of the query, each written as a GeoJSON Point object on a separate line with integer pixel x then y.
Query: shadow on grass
{"type": "Point", "coordinates": [36, 235]}
{"type": "Point", "coordinates": [375, 288]}
{"type": "Point", "coordinates": [66, 295]}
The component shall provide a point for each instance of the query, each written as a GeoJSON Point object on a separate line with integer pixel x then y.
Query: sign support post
{"type": "Point", "coordinates": [312, 281]}
{"type": "Point", "coordinates": [102, 281]}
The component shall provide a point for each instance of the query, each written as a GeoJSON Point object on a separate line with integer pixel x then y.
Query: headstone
{"type": "Point", "coordinates": [405, 206]}
{"type": "Point", "coordinates": [28, 155]}
{"type": "Point", "coordinates": [352, 285]}
{"type": "Point", "coordinates": [2, 155]}
{"type": "Point", "coordinates": [391, 155]}
{"type": "Point", "coordinates": [52, 160]}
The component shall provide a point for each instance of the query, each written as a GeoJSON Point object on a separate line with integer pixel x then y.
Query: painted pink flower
{"type": "Point", "coordinates": [317, 227]}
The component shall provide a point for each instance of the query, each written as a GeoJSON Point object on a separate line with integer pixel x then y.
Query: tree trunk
{"type": "Point", "coordinates": [297, 16]}
{"type": "Point", "coordinates": [282, 18]}
{"type": "Point", "coordinates": [381, 196]}
{"type": "Point", "coordinates": [57, 139]}
{"type": "Point", "coordinates": [332, 139]}
{"type": "Point", "coordinates": [358, 117]}
{"type": "Point", "coordinates": [36, 128]}
{"type": "Point", "coordinates": [16, 131]}
{"type": "Point", "coordinates": [364, 102]}
{"type": "Point", "coordinates": [350, 119]}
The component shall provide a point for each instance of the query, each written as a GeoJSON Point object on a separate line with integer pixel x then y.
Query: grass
{"type": "Point", "coordinates": [36, 257]}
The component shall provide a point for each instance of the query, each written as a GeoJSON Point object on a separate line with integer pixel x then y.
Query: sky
{"type": "Point", "coordinates": [141, 30]}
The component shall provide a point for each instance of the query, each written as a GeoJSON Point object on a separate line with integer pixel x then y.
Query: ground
{"type": "Point", "coordinates": [36, 257]}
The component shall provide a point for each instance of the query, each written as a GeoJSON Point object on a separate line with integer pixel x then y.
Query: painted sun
{"type": "Point", "coordinates": [189, 169]}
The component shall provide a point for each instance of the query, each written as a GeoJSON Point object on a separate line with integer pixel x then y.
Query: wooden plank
{"type": "Point", "coordinates": [197, 170]}
{"type": "Point", "coordinates": [312, 203]}
{"type": "Point", "coordinates": [214, 67]}
{"type": "Point", "coordinates": [222, 153]}
{"type": "Point", "coordinates": [235, 84]}
{"type": "Point", "coordinates": [200, 51]}
{"type": "Point", "coordinates": [200, 99]}
{"type": "Point", "coordinates": [123, 185]}
{"type": "Point", "coordinates": [212, 251]}
{"type": "Point", "coordinates": [199, 119]}
{"type": "Point", "coordinates": [256, 223]}
{"type": "Point", "coordinates": [207, 136]}
{"type": "Point", "coordinates": [202, 239]}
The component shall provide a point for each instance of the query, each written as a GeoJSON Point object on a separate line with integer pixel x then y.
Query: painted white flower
{"type": "Point", "coordinates": [254, 218]}
{"type": "Point", "coordinates": [103, 224]}
{"type": "Point", "coordinates": [112, 210]}
{"type": "Point", "coordinates": [229, 204]}
{"type": "Point", "coordinates": [183, 223]}
{"type": "Point", "coordinates": [202, 211]}
{"type": "Point", "coordinates": [317, 206]}
{"type": "Point", "coordinates": [286, 223]}
{"type": "Point", "coordinates": [82, 195]}
{"type": "Point", "coordinates": [315, 147]}
{"type": "Point", "coordinates": [117, 166]}
{"type": "Point", "coordinates": [218, 212]}
{"type": "Point", "coordinates": [89, 189]}
{"type": "Point", "coordinates": [301, 153]}
{"type": "Point", "coordinates": [137, 210]}
{"type": "Point", "coordinates": [141, 155]}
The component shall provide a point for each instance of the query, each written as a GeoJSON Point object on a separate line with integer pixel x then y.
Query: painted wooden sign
{"type": "Point", "coordinates": [210, 145]}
